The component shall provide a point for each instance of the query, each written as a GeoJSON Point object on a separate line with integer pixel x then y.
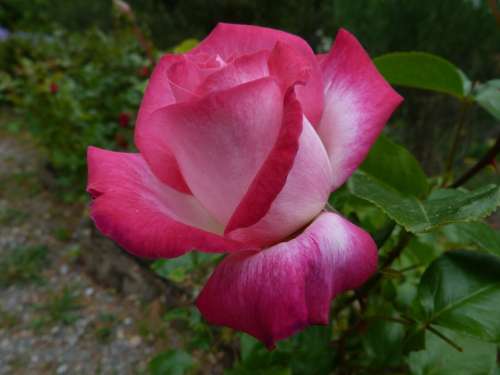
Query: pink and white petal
{"type": "Point", "coordinates": [303, 196]}
{"type": "Point", "coordinates": [290, 66]}
{"type": "Point", "coordinates": [243, 69]}
{"type": "Point", "coordinates": [148, 138]}
{"type": "Point", "coordinates": [358, 103]}
{"type": "Point", "coordinates": [184, 77]}
{"type": "Point", "coordinates": [145, 216]}
{"type": "Point", "coordinates": [230, 41]}
{"type": "Point", "coordinates": [221, 141]}
{"type": "Point", "coordinates": [273, 174]}
{"type": "Point", "coordinates": [278, 291]}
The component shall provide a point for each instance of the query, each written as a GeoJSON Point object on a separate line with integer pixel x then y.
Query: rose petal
{"type": "Point", "coordinates": [230, 41]}
{"type": "Point", "coordinates": [278, 291]}
{"type": "Point", "coordinates": [358, 103]}
{"type": "Point", "coordinates": [148, 139]}
{"type": "Point", "coordinates": [221, 141]}
{"type": "Point", "coordinates": [143, 215]}
{"type": "Point", "coordinates": [304, 194]}
{"type": "Point", "coordinates": [273, 174]}
{"type": "Point", "coordinates": [184, 77]}
{"type": "Point", "coordinates": [243, 69]}
{"type": "Point", "coordinates": [291, 66]}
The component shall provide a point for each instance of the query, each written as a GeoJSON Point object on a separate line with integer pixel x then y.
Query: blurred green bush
{"type": "Point", "coordinates": [72, 90]}
{"type": "Point", "coordinates": [462, 31]}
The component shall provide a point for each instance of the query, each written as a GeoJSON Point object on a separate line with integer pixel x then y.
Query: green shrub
{"type": "Point", "coordinates": [75, 90]}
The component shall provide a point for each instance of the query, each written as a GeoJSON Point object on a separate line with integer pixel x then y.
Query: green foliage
{"type": "Point", "coordinates": [306, 353]}
{"type": "Point", "coordinates": [186, 268]}
{"type": "Point", "coordinates": [461, 291]}
{"type": "Point", "coordinates": [488, 97]}
{"type": "Point", "coordinates": [22, 265]}
{"type": "Point", "coordinates": [449, 206]}
{"type": "Point", "coordinates": [393, 164]}
{"type": "Point", "coordinates": [481, 235]}
{"type": "Point", "coordinates": [71, 90]}
{"type": "Point", "coordinates": [439, 358]}
{"type": "Point", "coordinates": [421, 70]}
{"type": "Point", "coordinates": [174, 362]}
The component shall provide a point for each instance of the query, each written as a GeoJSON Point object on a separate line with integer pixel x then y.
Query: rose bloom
{"type": "Point", "coordinates": [241, 141]}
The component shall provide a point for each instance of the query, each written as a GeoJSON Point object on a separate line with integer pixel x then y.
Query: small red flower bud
{"type": "Point", "coordinates": [124, 119]}
{"type": "Point", "coordinates": [54, 88]}
{"type": "Point", "coordinates": [143, 72]}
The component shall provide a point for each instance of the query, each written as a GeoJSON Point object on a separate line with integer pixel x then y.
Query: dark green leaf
{"type": "Point", "coordinates": [393, 164]}
{"type": "Point", "coordinates": [479, 234]}
{"type": "Point", "coordinates": [461, 291]}
{"type": "Point", "coordinates": [421, 252]}
{"type": "Point", "coordinates": [488, 97]}
{"type": "Point", "coordinates": [439, 358]}
{"type": "Point", "coordinates": [382, 343]}
{"type": "Point", "coordinates": [172, 362]}
{"type": "Point", "coordinates": [421, 70]}
{"type": "Point", "coordinates": [420, 216]}
{"type": "Point", "coordinates": [414, 340]}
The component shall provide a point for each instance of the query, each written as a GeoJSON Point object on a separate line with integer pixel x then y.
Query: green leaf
{"type": "Point", "coordinates": [439, 358]}
{"type": "Point", "coordinates": [461, 291]}
{"type": "Point", "coordinates": [175, 269]}
{"type": "Point", "coordinates": [172, 362]}
{"type": "Point", "coordinates": [421, 70]}
{"type": "Point", "coordinates": [186, 45]}
{"type": "Point", "coordinates": [382, 343]}
{"type": "Point", "coordinates": [449, 206]}
{"type": "Point", "coordinates": [414, 340]}
{"type": "Point", "coordinates": [393, 164]}
{"type": "Point", "coordinates": [488, 97]}
{"type": "Point", "coordinates": [479, 234]}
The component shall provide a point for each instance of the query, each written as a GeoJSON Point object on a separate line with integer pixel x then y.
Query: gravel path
{"type": "Point", "coordinates": [53, 318]}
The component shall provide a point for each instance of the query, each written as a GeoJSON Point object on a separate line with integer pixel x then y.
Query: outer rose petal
{"type": "Point", "coordinates": [148, 139]}
{"type": "Point", "coordinates": [273, 293]}
{"type": "Point", "coordinates": [230, 41]}
{"type": "Point", "coordinates": [302, 197]}
{"type": "Point", "coordinates": [221, 141]}
{"type": "Point", "coordinates": [358, 103]}
{"type": "Point", "coordinates": [143, 215]}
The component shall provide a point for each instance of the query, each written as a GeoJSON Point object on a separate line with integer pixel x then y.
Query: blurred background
{"type": "Point", "coordinates": [72, 74]}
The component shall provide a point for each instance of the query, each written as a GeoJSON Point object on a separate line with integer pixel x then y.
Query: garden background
{"type": "Point", "coordinates": [72, 74]}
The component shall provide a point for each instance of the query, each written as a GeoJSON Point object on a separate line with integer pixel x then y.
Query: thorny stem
{"type": "Point", "coordinates": [483, 162]}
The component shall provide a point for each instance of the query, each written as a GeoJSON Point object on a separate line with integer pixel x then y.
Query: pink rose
{"type": "Point", "coordinates": [241, 142]}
